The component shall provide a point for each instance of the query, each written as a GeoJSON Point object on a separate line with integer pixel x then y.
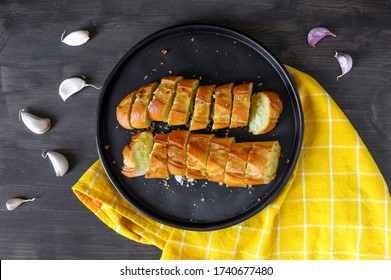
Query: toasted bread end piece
{"type": "Point", "coordinates": [139, 115]}
{"type": "Point", "coordinates": [136, 154]}
{"type": "Point", "coordinates": [266, 108]}
{"type": "Point", "coordinates": [124, 109]}
{"type": "Point", "coordinates": [263, 162]}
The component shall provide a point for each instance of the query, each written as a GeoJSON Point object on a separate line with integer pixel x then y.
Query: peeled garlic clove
{"type": "Point", "coordinates": [70, 86]}
{"type": "Point", "coordinates": [75, 38]}
{"type": "Point", "coordinates": [35, 124]}
{"type": "Point", "coordinates": [59, 162]}
{"type": "Point", "coordinates": [318, 33]}
{"type": "Point", "coordinates": [13, 203]}
{"type": "Point", "coordinates": [345, 62]}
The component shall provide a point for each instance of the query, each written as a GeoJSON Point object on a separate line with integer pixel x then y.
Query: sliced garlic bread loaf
{"type": "Point", "coordinates": [266, 108]}
{"type": "Point", "coordinates": [241, 105]}
{"type": "Point", "coordinates": [139, 115]}
{"type": "Point", "coordinates": [262, 162]}
{"type": "Point", "coordinates": [202, 107]}
{"type": "Point", "coordinates": [136, 154]}
{"type": "Point", "coordinates": [163, 97]}
{"type": "Point", "coordinates": [183, 102]}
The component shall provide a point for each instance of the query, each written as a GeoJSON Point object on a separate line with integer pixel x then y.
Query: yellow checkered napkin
{"type": "Point", "coordinates": [335, 206]}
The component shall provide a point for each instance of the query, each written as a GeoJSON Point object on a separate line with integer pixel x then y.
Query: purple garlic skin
{"type": "Point", "coordinates": [318, 33]}
{"type": "Point", "coordinates": [345, 62]}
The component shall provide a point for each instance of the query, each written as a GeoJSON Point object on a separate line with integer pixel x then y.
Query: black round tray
{"type": "Point", "coordinates": [215, 55]}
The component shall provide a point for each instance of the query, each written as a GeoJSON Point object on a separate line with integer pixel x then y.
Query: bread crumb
{"type": "Point", "coordinates": [260, 84]}
{"type": "Point", "coordinates": [287, 160]}
{"type": "Point", "coordinates": [161, 62]}
{"type": "Point", "coordinates": [169, 71]}
{"type": "Point", "coordinates": [203, 199]}
{"type": "Point", "coordinates": [192, 39]}
{"type": "Point", "coordinates": [146, 77]}
{"type": "Point", "coordinates": [164, 51]}
{"type": "Point", "coordinates": [107, 147]}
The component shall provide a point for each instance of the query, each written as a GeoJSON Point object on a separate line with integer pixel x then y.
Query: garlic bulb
{"type": "Point", "coordinates": [59, 162]}
{"type": "Point", "coordinates": [70, 86]}
{"type": "Point", "coordinates": [15, 202]}
{"type": "Point", "coordinates": [35, 124]}
{"type": "Point", "coordinates": [75, 38]}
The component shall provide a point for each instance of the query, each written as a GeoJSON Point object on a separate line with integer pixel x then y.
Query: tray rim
{"type": "Point", "coordinates": [299, 116]}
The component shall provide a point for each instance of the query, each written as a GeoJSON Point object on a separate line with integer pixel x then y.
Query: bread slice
{"type": "Point", "coordinates": [177, 153]}
{"type": "Point", "coordinates": [202, 106]}
{"type": "Point", "coordinates": [139, 115]}
{"type": "Point", "coordinates": [217, 159]}
{"type": "Point", "coordinates": [266, 108]}
{"type": "Point", "coordinates": [183, 102]}
{"type": "Point", "coordinates": [162, 100]}
{"type": "Point", "coordinates": [236, 164]}
{"type": "Point", "coordinates": [241, 105]}
{"type": "Point", "coordinates": [197, 155]}
{"type": "Point", "coordinates": [123, 110]}
{"type": "Point", "coordinates": [222, 106]}
{"type": "Point", "coordinates": [157, 167]}
{"type": "Point", "coordinates": [262, 162]}
{"type": "Point", "coordinates": [136, 154]}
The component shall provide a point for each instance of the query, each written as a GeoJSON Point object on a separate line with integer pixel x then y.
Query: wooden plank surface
{"type": "Point", "coordinates": [33, 62]}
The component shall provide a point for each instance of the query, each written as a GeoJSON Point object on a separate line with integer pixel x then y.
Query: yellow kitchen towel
{"type": "Point", "coordinates": [335, 206]}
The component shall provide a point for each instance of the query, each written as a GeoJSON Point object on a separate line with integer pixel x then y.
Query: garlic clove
{"type": "Point", "coordinates": [59, 162]}
{"type": "Point", "coordinates": [35, 124]}
{"type": "Point", "coordinates": [70, 86]}
{"type": "Point", "coordinates": [15, 202]}
{"type": "Point", "coordinates": [316, 34]}
{"type": "Point", "coordinates": [345, 62]}
{"type": "Point", "coordinates": [75, 38]}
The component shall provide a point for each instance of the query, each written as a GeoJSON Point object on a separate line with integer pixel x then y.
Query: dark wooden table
{"type": "Point", "coordinates": [33, 62]}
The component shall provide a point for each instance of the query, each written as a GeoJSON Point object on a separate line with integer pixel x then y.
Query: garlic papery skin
{"type": "Point", "coordinates": [70, 86]}
{"type": "Point", "coordinates": [35, 124]}
{"type": "Point", "coordinates": [59, 162]}
{"type": "Point", "coordinates": [316, 34]}
{"type": "Point", "coordinates": [15, 202]}
{"type": "Point", "coordinates": [345, 62]}
{"type": "Point", "coordinates": [75, 38]}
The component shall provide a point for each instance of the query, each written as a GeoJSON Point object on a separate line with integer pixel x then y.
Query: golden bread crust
{"type": "Point", "coordinates": [218, 154]}
{"type": "Point", "coordinates": [241, 105]}
{"type": "Point", "coordinates": [161, 103]}
{"type": "Point", "coordinates": [139, 115]}
{"type": "Point", "coordinates": [222, 106]}
{"type": "Point", "coordinates": [177, 152]}
{"type": "Point", "coordinates": [197, 155]}
{"type": "Point", "coordinates": [123, 110]}
{"type": "Point", "coordinates": [261, 154]}
{"type": "Point", "coordinates": [157, 167]}
{"type": "Point", "coordinates": [236, 164]}
{"type": "Point", "coordinates": [183, 102]}
{"type": "Point", "coordinates": [202, 107]}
